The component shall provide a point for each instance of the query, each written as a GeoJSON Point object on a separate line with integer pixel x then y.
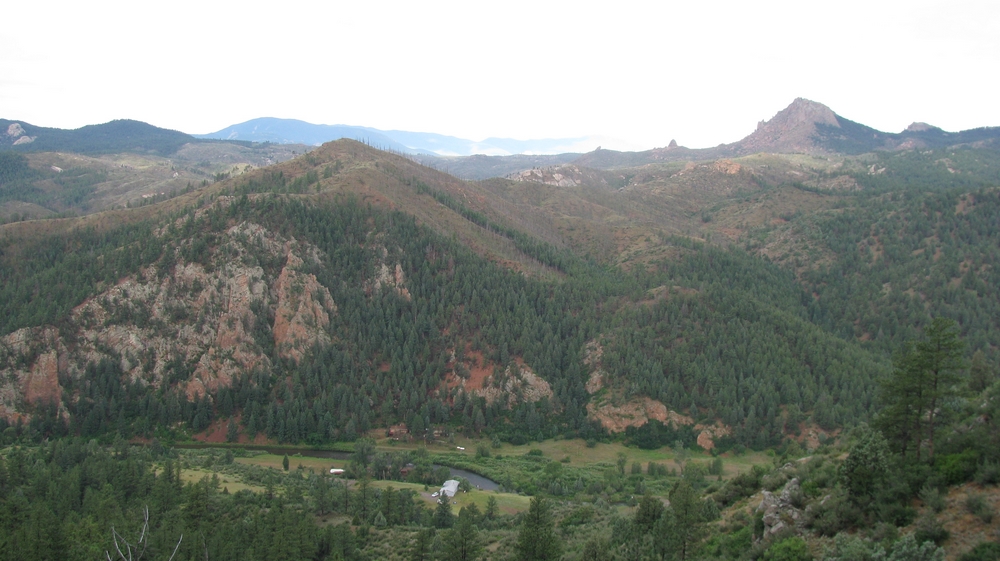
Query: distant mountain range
{"type": "Point", "coordinates": [122, 135]}
{"type": "Point", "coordinates": [803, 127]}
{"type": "Point", "coordinates": [292, 131]}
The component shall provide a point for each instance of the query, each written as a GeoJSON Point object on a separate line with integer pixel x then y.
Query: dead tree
{"type": "Point", "coordinates": [134, 552]}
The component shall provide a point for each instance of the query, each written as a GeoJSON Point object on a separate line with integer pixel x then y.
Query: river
{"type": "Point", "coordinates": [475, 479]}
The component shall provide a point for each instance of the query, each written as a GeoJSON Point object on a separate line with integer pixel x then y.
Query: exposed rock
{"type": "Point", "coordinates": [708, 434]}
{"type": "Point", "coordinates": [728, 167]}
{"type": "Point", "coordinates": [779, 511]}
{"type": "Point", "coordinates": [388, 277]}
{"type": "Point", "coordinates": [593, 352]}
{"type": "Point", "coordinates": [566, 175]}
{"type": "Point", "coordinates": [634, 413]}
{"type": "Point", "coordinates": [207, 325]}
{"type": "Point", "coordinates": [24, 140]}
{"type": "Point", "coordinates": [302, 313]}
{"type": "Point", "coordinates": [920, 127]}
{"type": "Point", "coordinates": [15, 130]}
{"type": "Point", "coordinates": [515, 387]}
{"type": "Point", "coordinates": [791, 130]}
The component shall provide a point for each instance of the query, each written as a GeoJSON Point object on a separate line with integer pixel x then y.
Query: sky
{"type": "Point", "coordinates": [636, 73]}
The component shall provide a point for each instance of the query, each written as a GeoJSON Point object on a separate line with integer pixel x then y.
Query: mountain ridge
{"type": "Point", "coordinates": [271, 129]}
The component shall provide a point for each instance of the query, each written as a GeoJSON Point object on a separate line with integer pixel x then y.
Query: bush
{"type": "Point", "coordinates": [911, 549]}
{"type": "Point", "coordinates": [929, 529]}
{"type": "Point", "coordinates": [834, 515]}
{"type": "Point", "coordinates": [985, 551]}
{"type": "Point", "coordinates": [977, 505]}
{"type": "Point", "coordinates": [730, 546]}
{"type": "Point", "coordinates": [988, 473]}
{"type": "Point", "coordinates": [932, 498]}
{"type": "Point", "coordinates": [790, 549]}
{"type": "Point", "coordinates": [853, 548]}
{"type": "Point", "coordinates": [743, 485]}
{"type": "Point", "coordinates": [957, 468]}
{"type": "Point", "coordinates": [580, 515]}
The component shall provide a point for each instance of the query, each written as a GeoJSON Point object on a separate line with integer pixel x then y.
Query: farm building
{"type": "Point", "coordinates": [449, 489]}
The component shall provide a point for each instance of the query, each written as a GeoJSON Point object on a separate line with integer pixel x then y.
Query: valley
{"type": "Point", "coordinates": [639, 348]}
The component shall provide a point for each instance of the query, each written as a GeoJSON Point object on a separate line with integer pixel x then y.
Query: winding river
{"type": "Point", "coordinates": [475, 479]}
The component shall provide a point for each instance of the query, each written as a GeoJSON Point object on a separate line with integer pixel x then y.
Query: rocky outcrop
{"type": "Point", "coordinates": [593, 352]}
{"type": "Point", "coordinates": [515, 386]}
{"type": "Point", "coordinates": [565, 175]}
{"type": "Point", "coordinates": [386, 277]}
{"type": "Point", "coordinates": [633, 413]}
{"type": "Point", "coordinates": [780, 512]}
{"type": "Point", "coordinates": [198, 325]}
{"type": "Point", "coordinates": [303, 311]}
{"type": "Point", "coordinates": [791, 130]}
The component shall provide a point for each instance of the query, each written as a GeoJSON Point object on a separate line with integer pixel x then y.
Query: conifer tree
{"type": "Point", "coordinates": [443, 518]}
{"type": "Point", "coordinates": [537, 540]}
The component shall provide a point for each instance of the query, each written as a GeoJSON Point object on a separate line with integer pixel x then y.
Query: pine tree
{"type": "Point", "coordinates": [537, 540]}
{"type": "Point", "coordinates": [942, 358]}
{"type": "Point", "coordinates": [232, 432]}
{"type": "Point", "coordinates": [925, 376]}
{"type": "Point", "coordinates": [461, 543]}
{"type": "Point", "coordinates": [443, 518]}
{"type": "Point", "coordinates": [421, 548]}
{"type": "Point", "coordinates": [688, 520]}
{"type": "Point", "coordinates": [866, 467]}
{"type": "Point", "coordinates": [979, 373]}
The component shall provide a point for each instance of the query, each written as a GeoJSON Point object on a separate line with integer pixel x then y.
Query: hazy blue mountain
{"type": "Point", "coordinates": [443, 145]}
{"type": "Point", "coordinates": [293, 131]}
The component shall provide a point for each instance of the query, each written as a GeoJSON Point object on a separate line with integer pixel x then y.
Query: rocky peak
{"type": "Point", "coordinates": [791, 130]}
{"type": "Point", "coordinates": [804, 111]}
{"type": "Point", "coordinates": [920, 127]}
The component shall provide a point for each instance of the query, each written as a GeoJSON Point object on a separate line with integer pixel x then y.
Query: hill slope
{"type": "Point", "coordinates": [309, 270]}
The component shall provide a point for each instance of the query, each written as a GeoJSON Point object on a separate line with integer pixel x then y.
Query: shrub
{"type": "Point", "coordinates": [929, 529]}
{"type": "Point", "coordinates": [957, 468]}
{"type": "Point", "coordinates": [988, 473]}
{"type": "Point", "coordinates": [580, 515]}
{"type": "Point", "coordinates": [932, 498]}
{"type": "Point", "coordinates": [790, 549]}
{"type": "Point", "coordinates": [985, 551]}
{"type": "Point", "coordinates": [853, 548]}
{"type": "Point", "coordinates": [911, 549]}
{"type": "Point", "coordinates": [835, 514]}
{"type": "Point", "coordinates": [743, 485]}
{"type": "Point", "coordinates": [977, 505]}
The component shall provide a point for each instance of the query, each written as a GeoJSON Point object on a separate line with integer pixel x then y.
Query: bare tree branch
{"type": "Point", "coordinates": [139, 549]}
{"type": "Point", "coordinates": [115, 535]}
{"type": "Point", "coordinates": [176, 547]}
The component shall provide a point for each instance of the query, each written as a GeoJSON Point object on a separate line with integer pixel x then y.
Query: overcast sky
{"type": "Point", "coordinates": [701, 72]}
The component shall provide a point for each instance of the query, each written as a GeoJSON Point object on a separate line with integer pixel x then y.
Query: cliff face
{"type": "Point", "coordinates": [199, 324]}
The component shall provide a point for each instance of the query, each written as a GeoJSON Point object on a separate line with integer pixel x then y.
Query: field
{"type": "Point", "coordinates": [319, 465]}
{"type": "Point", "coordinates": [226, 481]}
{"type": "Point", "coordinates": [602, 455]}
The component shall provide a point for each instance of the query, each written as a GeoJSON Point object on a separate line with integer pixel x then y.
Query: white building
{"type": "Point", "coordinates": [449, 489]}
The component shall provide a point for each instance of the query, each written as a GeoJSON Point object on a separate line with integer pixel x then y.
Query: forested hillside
{"type": "Point", "coordinates": [763, 308]}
